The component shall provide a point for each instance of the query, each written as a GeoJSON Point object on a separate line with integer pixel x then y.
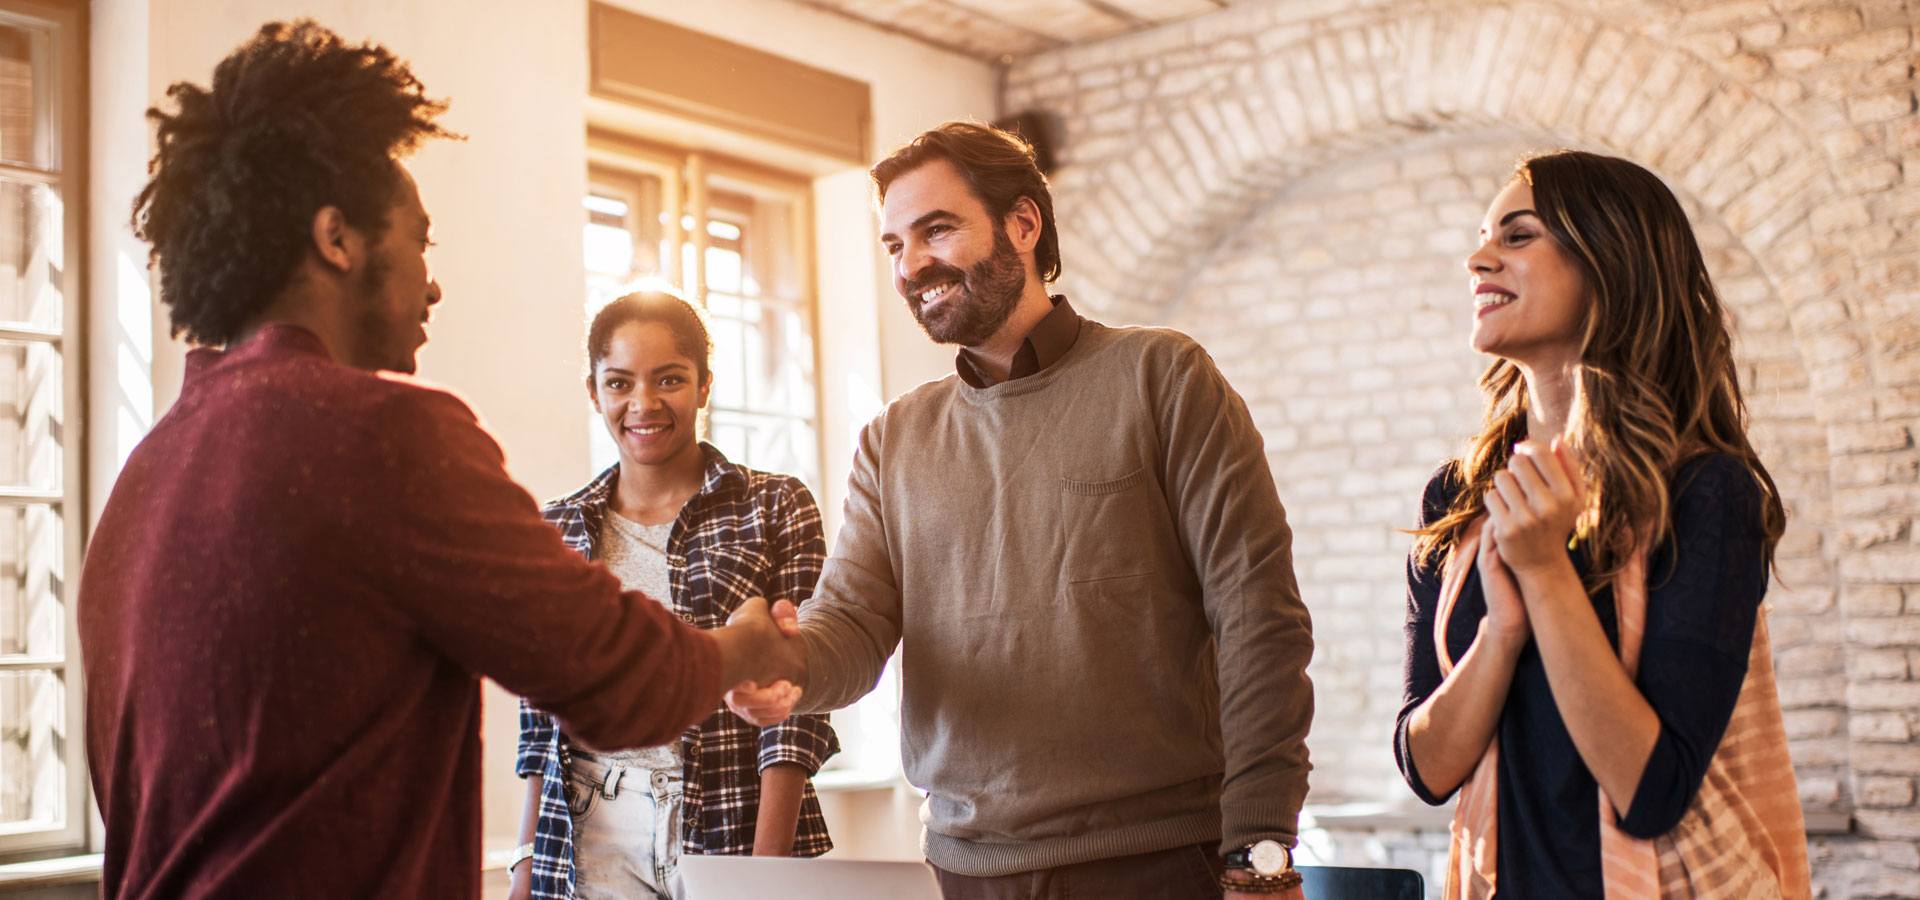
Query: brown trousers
{"type": "Point", "coordinates": [1183, 873]}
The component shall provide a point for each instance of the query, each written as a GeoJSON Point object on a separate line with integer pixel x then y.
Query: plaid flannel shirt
{"type": "Point", "coordinates": [746, 533]}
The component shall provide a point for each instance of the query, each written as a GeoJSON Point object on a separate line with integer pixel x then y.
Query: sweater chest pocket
{"type": "Point", "coordinates": [1111, 528]}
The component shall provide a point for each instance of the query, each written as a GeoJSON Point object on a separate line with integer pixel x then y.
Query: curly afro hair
{"type": "Point", "coordinates": [296, 120]}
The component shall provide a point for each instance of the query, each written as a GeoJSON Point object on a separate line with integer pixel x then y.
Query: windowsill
{"type": "Point", "coordinates": [838, 780]}
{"type": "Point", "coordinates": [1346, 816]}
{"type": "Point", "coordinates": [494, 853]}
{"type": "Point", "coordinates": [56, 872]}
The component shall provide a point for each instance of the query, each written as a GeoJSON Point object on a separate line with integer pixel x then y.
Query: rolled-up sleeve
{"type": "Point", "coordinates": [537, 733]}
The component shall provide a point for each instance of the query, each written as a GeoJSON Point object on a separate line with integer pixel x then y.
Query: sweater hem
{"type": "Point", "coordinates": [985, 859]}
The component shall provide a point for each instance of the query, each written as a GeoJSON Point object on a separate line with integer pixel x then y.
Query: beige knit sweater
{"type": "Point", "coordinates": [1104, 647]}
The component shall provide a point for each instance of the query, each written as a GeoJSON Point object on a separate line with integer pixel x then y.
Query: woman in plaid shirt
{"type": "Point", "coordinates": [678, 521]}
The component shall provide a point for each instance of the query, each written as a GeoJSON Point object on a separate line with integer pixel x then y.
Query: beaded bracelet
{"type": "Point", "coordinates": [1261, 884]}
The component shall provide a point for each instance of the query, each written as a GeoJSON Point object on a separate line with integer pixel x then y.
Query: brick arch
{"type": "Point", "coordinates": [1336, 94]}
{"type": "Point", "coordinates": [1366, 370]}
{"type": "Point", "coordinates": [1158, 178]}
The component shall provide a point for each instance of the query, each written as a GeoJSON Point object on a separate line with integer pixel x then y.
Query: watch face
{"type": "Point", "coordinates": [1269, 858]}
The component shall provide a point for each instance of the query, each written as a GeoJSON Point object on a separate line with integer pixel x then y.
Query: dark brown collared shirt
{"type": "Point", "coordinates": [1045, 344]}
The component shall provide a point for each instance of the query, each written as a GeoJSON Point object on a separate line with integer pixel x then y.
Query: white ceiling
{"type": "Point", "coordinates": [996, 30]}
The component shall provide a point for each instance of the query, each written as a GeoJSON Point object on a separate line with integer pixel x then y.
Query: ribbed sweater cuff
{"type": "Point", "coordinates": [1245, 821]}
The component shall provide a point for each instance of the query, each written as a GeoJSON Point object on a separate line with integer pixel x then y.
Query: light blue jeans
{"type": "Point", "coordinates": [626, 831]}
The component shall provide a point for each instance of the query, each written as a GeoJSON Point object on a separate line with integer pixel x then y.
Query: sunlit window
{"type": "Point", "coordinates": [734, 240]}
{"type": "Point", "coordinates": [42, 775]}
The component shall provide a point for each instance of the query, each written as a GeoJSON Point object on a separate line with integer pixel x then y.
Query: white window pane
{"type": "Point", "coordinates": [40, 769]}
{"type": "Point", "coordinates": [732, 437]}
{"type": "Point", "coordinates": [774, 443]}
{"type": "Point", "coordinates": [768, 348]}
{"type": "Point", "coordinates": [623, 229]}
{"type": "Point", "coordinates": [33, 614]}
{"type": "Point", "coordinates": [729, 366]}
{"type": "Point", "coordinates": [774, 267]}
{"type": "Point", "coordinates": [31, 416]}
{"type": "Point", "coordinates": [723, 270]}
{"type": "Point", "coordinates": [602, 452]}
{"type": "Point", "coordinates": [795, 372]}
{"type": "Point", "coordinates": [32, 238]}
{"type": "Point", "coordinates": [33, 740]}
{"type": "Point", "coordinates": [609, 250]}
{"type": "Point", "coordinates": [609, 210]}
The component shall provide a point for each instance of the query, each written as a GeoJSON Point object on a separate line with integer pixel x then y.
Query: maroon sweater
{"type": "Point", "coordinates": [297, 581]}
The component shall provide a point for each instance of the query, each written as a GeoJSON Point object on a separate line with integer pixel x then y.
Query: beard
{"type": "Point", "coordinates": [385, 343]}
{"type": "Point", "coordinates": [990, 290]}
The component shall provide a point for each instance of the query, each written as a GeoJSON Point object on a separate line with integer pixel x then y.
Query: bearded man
{"type": "Point", "coordinates": [1077, 541]}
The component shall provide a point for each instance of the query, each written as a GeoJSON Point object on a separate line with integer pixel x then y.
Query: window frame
{"type": "Point", "coordinates": [614, 160]}
{"type": "Point", "coordinates": [64, 120]}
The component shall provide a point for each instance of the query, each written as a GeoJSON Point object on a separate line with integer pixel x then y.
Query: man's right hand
{"type": "Point", "coordinates": [760, 645]}
{"type": "Point", "coordinates": [764, 706]}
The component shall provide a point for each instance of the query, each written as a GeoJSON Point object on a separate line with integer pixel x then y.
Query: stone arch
{"type": "Point", "coordinates": [1158, 176]}
{"type": "Point", "coordinates": [1323, 95]}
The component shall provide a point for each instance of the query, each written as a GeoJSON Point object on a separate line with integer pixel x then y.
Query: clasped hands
{"type": "Point", "coordinates": [1531, 511]}
{"type": "Point", "coordinates": [760, 645]}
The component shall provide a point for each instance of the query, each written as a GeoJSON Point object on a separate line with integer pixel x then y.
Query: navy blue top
{"type": "Point", "coordinates": [1704, 588]}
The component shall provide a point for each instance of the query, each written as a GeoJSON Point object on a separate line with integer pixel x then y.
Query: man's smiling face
{"type": "Point", "coordinates": [952, 259]}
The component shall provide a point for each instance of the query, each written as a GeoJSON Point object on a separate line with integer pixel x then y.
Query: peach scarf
{"type": "Point", "coordinates": [1742, 837]}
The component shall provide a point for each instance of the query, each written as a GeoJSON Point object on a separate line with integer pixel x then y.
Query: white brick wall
{"type": "Point", "coordinates": [1296, 183]}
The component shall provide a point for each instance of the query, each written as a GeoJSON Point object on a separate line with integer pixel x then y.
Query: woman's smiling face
{"type": "Point", "coordinates": [1529, 301]}
{"type": "Point", "coordinates": [649, 394]}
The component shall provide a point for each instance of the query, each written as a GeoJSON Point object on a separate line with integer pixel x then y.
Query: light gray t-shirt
{"type": "Point", "coordinates": [637, 555]}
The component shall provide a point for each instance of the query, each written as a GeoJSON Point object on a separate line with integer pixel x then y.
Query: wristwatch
{"type": "Point", "coordinates": [1267, 859]}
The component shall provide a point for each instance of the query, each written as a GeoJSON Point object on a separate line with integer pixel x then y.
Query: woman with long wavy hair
{"type": "Point", "coordinates": [1587, 662]}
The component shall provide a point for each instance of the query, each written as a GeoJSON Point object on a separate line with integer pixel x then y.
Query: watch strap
{"type": "Point", "coordinates": [1242, 858]}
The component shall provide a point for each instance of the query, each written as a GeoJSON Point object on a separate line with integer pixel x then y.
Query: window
{"type": "Point", "coordinates": [43, 780]}
{"type": "Point", "coordinates": [735, 240]}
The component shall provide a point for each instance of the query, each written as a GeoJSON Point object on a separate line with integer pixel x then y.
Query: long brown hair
{"type": "Point", "coordinates": [1657, 384]}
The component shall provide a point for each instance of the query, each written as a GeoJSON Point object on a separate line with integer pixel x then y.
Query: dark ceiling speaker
{"type": "Point", "coordinates": [1035, 128]}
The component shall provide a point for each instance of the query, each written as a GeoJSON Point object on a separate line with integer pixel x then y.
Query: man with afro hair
{"type": "Point", "coordinates": [305, 568]}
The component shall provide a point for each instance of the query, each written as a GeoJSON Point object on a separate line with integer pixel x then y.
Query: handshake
{"type": "Point", "coordinates": [762, 656]}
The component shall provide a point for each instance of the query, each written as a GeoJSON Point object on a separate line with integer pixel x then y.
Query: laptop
{"type": "Point", "coordinates": [781, 878]}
